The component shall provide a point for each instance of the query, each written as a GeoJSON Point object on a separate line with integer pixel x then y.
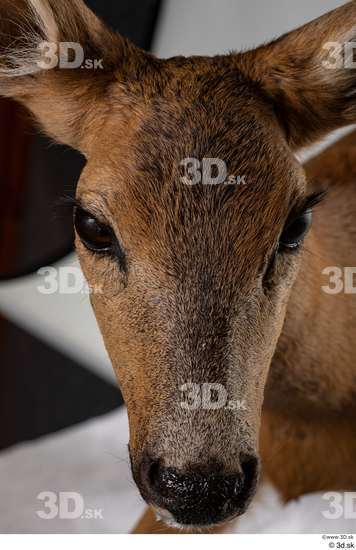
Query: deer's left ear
{"type": "Point", "coordinates": [309, 75]}
{"type": "Point", "coordinates": [37, 39]}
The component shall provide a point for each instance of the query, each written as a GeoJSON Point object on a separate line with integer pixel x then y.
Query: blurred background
{"type": "Point", "coordinates": [55, 374]}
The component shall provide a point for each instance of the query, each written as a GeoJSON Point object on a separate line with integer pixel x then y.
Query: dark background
{"type": "Point", "coordinates": [41, 390]}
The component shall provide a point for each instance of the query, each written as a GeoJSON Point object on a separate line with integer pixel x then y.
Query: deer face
{"type": "Point", "coordinates": [193, 280]}
{"type": "Point", "coordinates": [191, 277]}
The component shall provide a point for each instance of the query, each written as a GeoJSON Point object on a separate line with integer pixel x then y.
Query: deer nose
{"type": "Point", "coordinates": [202, 497]}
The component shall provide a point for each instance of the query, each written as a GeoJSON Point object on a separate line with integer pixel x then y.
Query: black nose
{"type": "Point", "coordinates": [198, 498]}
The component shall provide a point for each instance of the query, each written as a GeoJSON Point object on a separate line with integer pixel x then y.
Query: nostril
{"type": "Point", "coordinates": [153, 473]}
{"type": "Point", "coordinates": [249, 465]}
{"type": "Point", "coordinates": [200, 496]}
{"type": "Point", "coordinates": [250, 471]}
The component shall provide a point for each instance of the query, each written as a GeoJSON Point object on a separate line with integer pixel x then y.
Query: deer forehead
{"type": "Point", "coordinates": [149, 171]}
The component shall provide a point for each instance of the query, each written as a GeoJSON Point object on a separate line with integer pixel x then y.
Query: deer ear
{"type": "Point", "coordinates": [309, 75]}
{"type": "Point", "coordinates": [38, 38]}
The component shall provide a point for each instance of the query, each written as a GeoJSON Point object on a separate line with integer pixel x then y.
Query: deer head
{"type": "Point", "coordinates": [194, 277]}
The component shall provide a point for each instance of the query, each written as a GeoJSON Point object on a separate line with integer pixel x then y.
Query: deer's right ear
{"type": "Point", "coordinates": [309, 75]}
{"type": "Point", "coordinates": [65, 101]}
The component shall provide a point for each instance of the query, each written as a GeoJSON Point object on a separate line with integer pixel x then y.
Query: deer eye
{"type": "Point", "coordinates": [295, 231]}
{"type": "Point", "coordinates": [96, 236]}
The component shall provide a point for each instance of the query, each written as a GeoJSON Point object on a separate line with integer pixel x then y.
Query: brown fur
{"type": "Point", "coordinates": [200, 298]}
{"type": "Point", "coordinates": [308, 430]}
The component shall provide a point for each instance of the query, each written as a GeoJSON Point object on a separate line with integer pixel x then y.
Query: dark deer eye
{"type": "Point", "coordinates": [96, 236]}
{"type": "Point", "coordinates": [295, 231]}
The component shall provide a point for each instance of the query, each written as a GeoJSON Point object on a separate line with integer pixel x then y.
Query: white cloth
{"type": "Point", "coordinates": [91, 459]}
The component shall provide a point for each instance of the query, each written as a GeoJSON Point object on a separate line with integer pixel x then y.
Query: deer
{"type": "Point", "coordinates": [210, 283]}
